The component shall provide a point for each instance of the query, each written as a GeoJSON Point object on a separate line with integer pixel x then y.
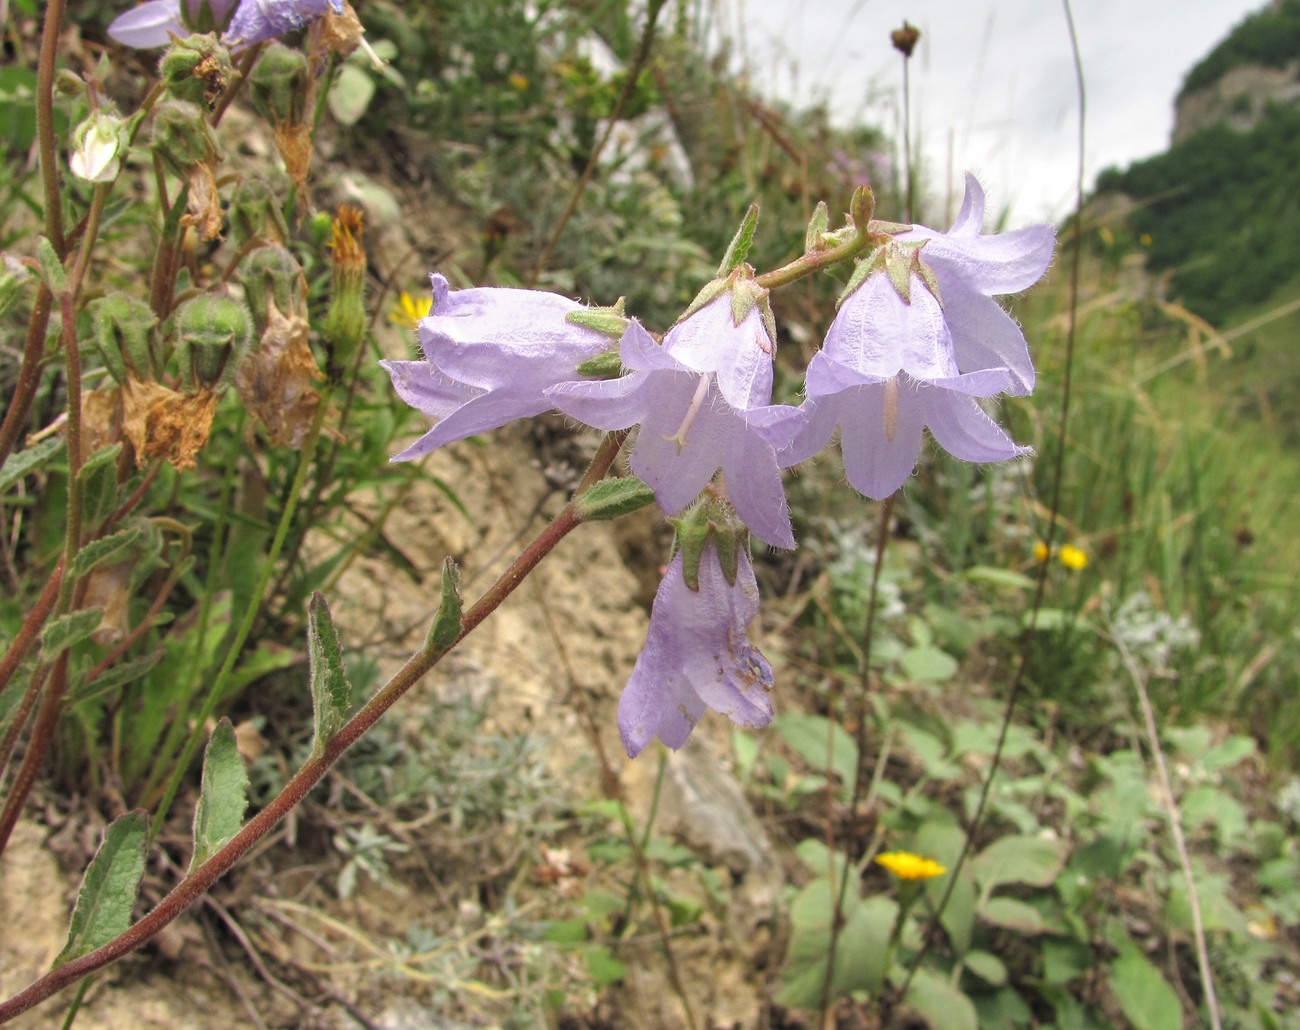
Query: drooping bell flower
{"type": "Point", "coordinates": [152, 24]}
{"type": "Point", "coordinates": [489, 356]}
{"type": "Point", "coordinates": [702, 402]}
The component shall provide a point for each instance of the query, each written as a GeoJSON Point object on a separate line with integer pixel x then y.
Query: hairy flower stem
{"type": "Point", "coordinates": [46, 140]}
{"type": "Point", "coordinates": [815, 260]}
{"type": "Point", "coordinates": [198, 881]}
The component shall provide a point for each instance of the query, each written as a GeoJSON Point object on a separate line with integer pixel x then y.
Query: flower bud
{"type": "Point", "coordinates": [255, 211]}
{"type": "Point", "coordinates": [279, 85]}
{"type": "Point", "coordinates": [181, 136]}
{"type": "Point", "coordinates": [123, 330]}
{"type": "Point", "coordinates": [197, 69]}
{"type": "Point", "coordinates": [212, 334]}
{"type": "Point", "coordinates": [271, 277]}
{"type": "Point", "coordinates": [98, 146]}
{"type": "Point", "coordinates": [345, 323]}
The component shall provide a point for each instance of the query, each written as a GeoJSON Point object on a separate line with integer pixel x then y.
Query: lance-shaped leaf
{"type": "Point", "coordinates": [18, 465]}
{"type": "Point", "coordinates": [103, 909]}
{"type": "Point", "coordinates": [331, 694]}
{"type": "Point", "coordinates": [445, 630]}
{"type": "Point", "coordinates": [740, 243]}
{"type": "Point", "coordinates": [614, 498]}
{"type": "Point", "coordinates": [66, 630]}
{"type": "Point", "coordinates": [106, 549]}
{"type": "Point", "coordinates": [224, 796]}
{"type": "Point", "coordinates": [98, 477]}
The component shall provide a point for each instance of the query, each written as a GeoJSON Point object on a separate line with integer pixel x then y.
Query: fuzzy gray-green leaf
{"type": "Point", "coordinates": [740, 243]}
{"type": "Point", "coordinates": [108, 890]}
{"type": "Point", "coordinates": [331, 694]}
{"type": "Point", "coordinates": [61, 633]}
{"type": "Point", "coordinates": [224, 795]}
{"type": "Point", "coordinates": [445, 630]}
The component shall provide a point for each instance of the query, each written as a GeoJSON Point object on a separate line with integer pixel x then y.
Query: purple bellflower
{"type": "Point", "coordinates": [702, 402]}
{"type": "Point", "coordinates": [916, 342]}
{"type": "Point", "coordinates": [490, 355]}
{"type": "Point", "coordinates": [152, 24]}
{"type": "Point", "coordinates": [256, 21]}
{"type": "Point", "coordinates": [697, 656]}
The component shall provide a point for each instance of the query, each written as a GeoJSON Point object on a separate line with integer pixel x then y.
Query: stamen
{"type": "Point", "coordinates": [693, 409]}
{"type": "Point", "coordinates": [891, 408]}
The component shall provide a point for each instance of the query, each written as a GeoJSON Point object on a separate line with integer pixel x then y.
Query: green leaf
{"type": "Point", "coordinates": [1019, 859]}
{"type": "Point", "coordinates": [66, 630]}
{"type": "Point", "coordinates": [817, 224]}
{"type": "Point", "coordinates": [19, 464]}
{"type": "Point", "coordinates": [350, 94]}
{"type": "Point", "coordinates": [223, 797]}
{"type": "Point", "coordinates": [928, 665]}
{"type": "Point", "coordinates": [987, 967]}
{"type": "Point", "coordinates": [445, 630]}
{"type": "Point", "coordinates": [121, 672]}
{"type": "Point", "coordinates": [1143, 994]}
{"type": "Point", "coordinates": [108, 890]}
{"type": "Point", "coordinates": [603, 968]}
{"type": "Point", "coordinates": [807, 736]}
{"type": "Point", "coordinates": [613, 498]}
{"type": "Point", "coordinates": [98, 478]}
{"type": "Point", "coordinates": [941, 1003]}
{"type": "Point", "coordinates": [331, 694]}
{"type": "Point", "coordinates": [996, 577]}
{"type": "Point", "coordinates": [105, 550]}
{"type": "Point", "coordinates": [1012, 914]}
{"type": "Point", "coordinates": [52, 271]}
{"type": "Point", "coordinates": [740, 243]}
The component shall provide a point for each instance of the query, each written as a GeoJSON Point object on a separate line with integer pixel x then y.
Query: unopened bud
{"type": "Point", "coordinates": [197, 69]}
{"type": "Point", "coordinates": [181, 136]}
{"type": "Point", "coordinates": [255, 212]}
{"type": "Point", "coordinates": [271, 276]}
{"type": "Point", "coordinates": [904, 39]}
{"type": "Point", "coordinates": [345, 323]}
{"type": "Point", "coordinates": [98, 146]}
{"type": "Point", "coordinates": [123, 330]}
{"type": "Point", "coordinates": [279, 85]}
{"type": "Point", "coordinates": [212, 334]}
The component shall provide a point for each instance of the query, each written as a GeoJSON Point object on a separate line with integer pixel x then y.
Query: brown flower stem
{"type": "Point", "coordinates": [29, 373]}
{"type": "Point", "coordinates": [46, 141]}
{"type": "Point", "coordinates": [30, 630]}
{"type": "Point", "coordinates": [417, 666]}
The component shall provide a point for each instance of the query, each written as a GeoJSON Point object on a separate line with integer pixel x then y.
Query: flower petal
{"type": "Point", "coordinates": [961, 428]}
{"type": "Point", "coordinates": [149, 25]}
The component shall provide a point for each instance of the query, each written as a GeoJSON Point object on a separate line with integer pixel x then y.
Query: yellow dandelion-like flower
{"type": "Point", "coordinates": [1073, 557]}
{"type": "Point", "coordinates": [408, 311]}
{"type": "Point", "coordinates": [1040, 552]}
{"type": "Point", "coordinates": [907, 866]}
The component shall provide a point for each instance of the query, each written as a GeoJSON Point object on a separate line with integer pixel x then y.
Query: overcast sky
{"type": "Point", "coordinates": [994, 77]}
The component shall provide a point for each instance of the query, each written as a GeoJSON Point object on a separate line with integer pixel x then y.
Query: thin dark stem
{"type": "Point", "coordinates": [46, 141]}
{"type": "Point", "coordinates": [1058, 469]}
{"type": "Point", "coordinates": [29, 373]}
{"type": "Point", "coordinates": [625, 95]}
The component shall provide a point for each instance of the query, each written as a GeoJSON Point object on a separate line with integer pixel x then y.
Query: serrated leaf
{"type": "Point", "coordinates": [1143, 994]}
{"type": "Point", "coordinates": [18, 465]}
{"type": "Point", "coordinates": [1012, 914]}
{"type": "Point", "coordinates": [61, 633]}
{"type": "Point", "coordinates": [108, 890]}
{"type": "Point", "coordinates": [740, 243]}
{"type": "Point", "coordinates": [445, 630]}
{"type": "Point", "coordinates": [331, 694]}
{"type": "Point", "coordinates": [223, 796]}
{"type": "Point", "coordinates": [1019, 859]}
{"type": "Point", "coordinates": [104, 550]}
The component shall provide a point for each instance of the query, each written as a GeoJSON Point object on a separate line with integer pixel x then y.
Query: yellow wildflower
{"type": "Point", "coordinates": [907, 866]}
{"type": "Point", "coordinates": [407, 311]}
{"type": "Point", "coordinates": [1040, 552]}
{"type": "Point", "coordinates": [1073, 557]}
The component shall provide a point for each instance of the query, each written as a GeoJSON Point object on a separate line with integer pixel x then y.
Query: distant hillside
{"type": "Point", "coordinates": [1221, 206]}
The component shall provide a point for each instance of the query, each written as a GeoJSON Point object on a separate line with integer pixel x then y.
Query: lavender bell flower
{"type": "Point", "coordinates": [702, 403]}
{"type": "Point", "coordinates": [916, 343]}
{"type": "Point", "coordinates": [256, 21]}
{"type": "Point", "coordinates": [697, 656]}
{"type": "Point", "coordinates": [152, 24]}
{"type": "Point", "coordinates": [490, 355]}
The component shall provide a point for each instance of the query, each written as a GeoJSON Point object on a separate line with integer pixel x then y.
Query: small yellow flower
{"type": "Point", "coordinates": [520, 82]}
{"type": "Point", "coordinates": [1040, 552]}
{"type": "Point", "coordinates": [1145, 239]}
{"type": "Point", "coordinates": [907, 866]}
{"type": "Point", "coordinates": [1073, 558]}
{"type": "Point", "coordinates": [408, 311]}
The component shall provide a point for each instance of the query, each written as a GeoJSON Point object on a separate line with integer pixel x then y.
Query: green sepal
{"type": "Point", "coordinates": [65, 631]}
{"type": "Point", "coordinates": [271, 275]}
{"type": "Point", "coordinates": [445, 630]}
{"type": "Point", "coordinates": [609, 321]}
{"type": "Point", "coordinates": [109, 888]}
{"type": "Point", "coordinates": [212, 334]}
{"type": "Point", "coordinates": [255, 211]}
{"type": "Point", "coordinates": [818, 224]}
{"type": "Point", "coordinates": [711, 518]}
{"type": "Point", "coordinates": [181, 136]}
{"type": "Point", "coordinates": [331, 693]}
{"type": "Point", "coordinates": [52, 271]}
{"type": "Point", "coordinates": [861, 207]}
{"type": "Point", "coordinates": [98, 476]}
{"type": "Point", "coordinates": [196, 69]}
{"type": "Point", "coordinates": [874, 262]}
{"type": "Point", "coordinates": [745, 293]}
{"type": "Point", "coordinates": [279, 85]}
{"type": "Point", "coordinates": [711, 291]}
{"type": "Point", "coordinates": [223, 796]}
{"type": "Point", "coordinates": [602, 366]}
{"type": "Point", "coordinates": [613, 498]}
{"type": "Point", "coordinates": [123, 330]}
{"type": "Point", "coordinates": [899, 265]}
{"type": "Point", "coordinates": [740, 243]}
{"type": "Point", "coordinates": [889, 228]}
